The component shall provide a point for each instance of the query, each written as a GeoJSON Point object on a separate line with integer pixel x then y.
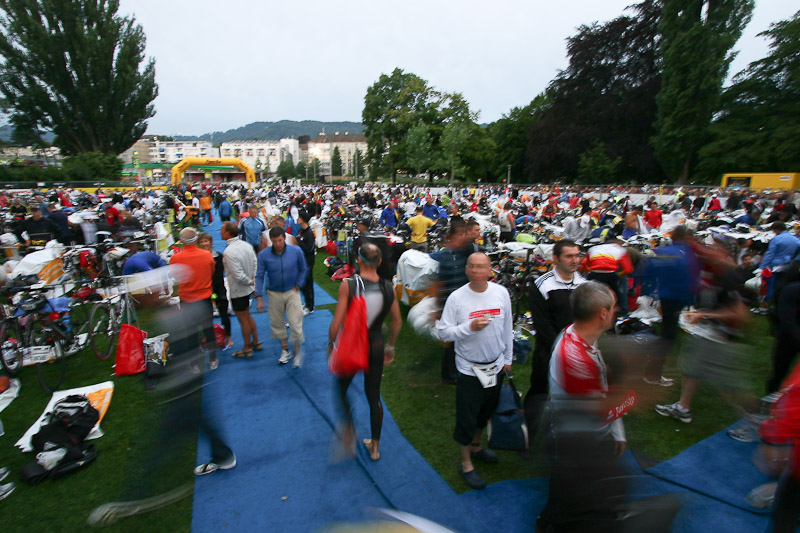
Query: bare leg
{"type": "Point", "coordinates": [689, 388]}
{"type": "Point", "coordinates": [244, 321]}
{"type": "Point", "coordinates": [466, 452]}
{"type": "Point", "coordinates": [253, 328]}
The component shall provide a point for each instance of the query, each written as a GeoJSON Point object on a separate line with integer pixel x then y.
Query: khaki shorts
{"type": "Point", "coordinates": [286, 304]}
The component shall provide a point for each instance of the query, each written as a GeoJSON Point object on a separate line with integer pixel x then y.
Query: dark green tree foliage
{"type": "Point", "coordinates": [510, 135]}
{"type": "Point", "coordinates": [286, 169]}
{"type": "Point", "coordinates": [336, 162]}
{"type": "Point", "coordinates": [74, 67]}
{"type": "Point", "coordinates": [697, 38]}
{"type": "Point", "coordinates": [300, 170]}
{"type": "Point", "coordinates": [420, 152]}
{"type": "Point", "coordinates": [605, 95]}
{"type": "Point", "coordinates": [756, 130]}
{"type": "Point", "coordinates": [358, 163]}
{"type": "Point", "coordinates": [92, 166]}
{"type": "Point", "coordinates": [596, 167]}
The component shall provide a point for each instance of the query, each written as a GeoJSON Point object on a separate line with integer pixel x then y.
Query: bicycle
{"type": "Point", "coordinates": [29, 333]}
{"type": "Point", "coordinates": [106, 319]}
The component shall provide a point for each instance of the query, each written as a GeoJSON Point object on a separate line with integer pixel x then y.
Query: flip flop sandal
{"type": "Point", "coordinates": [240, 354]}
{"type": "Point", "coordinates": [257, 346]}
{"type": "Point", "coordinates": [213, 364]}
{"type": "Point", "coordinates": [248, 353]}
{"type": "Point", "coordinates": [211, 467]}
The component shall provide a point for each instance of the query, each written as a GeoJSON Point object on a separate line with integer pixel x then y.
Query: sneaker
{"type": "Point", "coordinates": [661, 382]}
{"type": "Point", "coordinates": [285, 356]}
{"type": "Point", "coordinates": [307, 311]}
{"type": "Point", "coordinates": [6, 489]}
{"type": "Point", "coordinates": [675, 410]}
{"type": "Point", "coordinates": [213, 364]}
{"type": "Point", "coordinates": [298, 359]}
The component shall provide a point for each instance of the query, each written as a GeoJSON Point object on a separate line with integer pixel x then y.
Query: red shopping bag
{"type": "Point", "coordinates": [350, 352]}
{"type": "Point", "coordinates": [130, 351]}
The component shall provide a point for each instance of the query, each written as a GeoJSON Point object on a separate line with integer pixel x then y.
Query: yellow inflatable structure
{"type": "Point", "coordinates": [185, 163]}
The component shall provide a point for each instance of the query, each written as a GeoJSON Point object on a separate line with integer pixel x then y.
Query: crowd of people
{"type": "Point", "coordinates": [703, 281]}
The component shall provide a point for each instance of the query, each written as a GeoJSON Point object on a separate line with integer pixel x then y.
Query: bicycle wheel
{"type": "Point", "coordinates": [103, 331]}
{"type": "Point", "coordinates": [79, 323]}
{"type": "Point", "coordinates": [51, 372]}
{"type": "Point", "coordinates": [10, 351]}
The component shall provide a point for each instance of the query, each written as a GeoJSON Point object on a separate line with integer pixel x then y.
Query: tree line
{"type": "Point", "coordinates": [642, 100]}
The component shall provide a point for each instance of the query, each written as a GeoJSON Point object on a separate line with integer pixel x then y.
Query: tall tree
{"type": "Point", "coordinates": [336, 162]}
{"type": "Point", "coordinates": [75, 68]}
{"type": "Point", "coordinates": [286, 169]}
{"type": "Point", "coordinates": [607, 95]}
{"type": "Point", "coordinates": [419, 149]}
{"type": "Point", "coordinates": [300, 169]}
{"type": "Point", "coordinates": [392, 106]}
{"type": "Point", "coordinates": [510, 134]}
{"type": "Point", "coordinates": [756, 129]}
{"type": "Point", "coordinates": [697, 38]}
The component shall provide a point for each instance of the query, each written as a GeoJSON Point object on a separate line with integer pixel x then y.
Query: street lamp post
{"type": "Point", "coordinates": [508, 178]}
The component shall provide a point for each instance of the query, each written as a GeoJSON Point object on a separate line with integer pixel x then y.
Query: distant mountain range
{"type": "Point", "coordinates": [254, 131]}
{"type": "Point", "coordinates": [276, 130]}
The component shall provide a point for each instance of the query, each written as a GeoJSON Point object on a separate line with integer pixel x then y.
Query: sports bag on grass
{"type": "Point", "coordinates": [507, 429]}
{"type": "Point", "coordinates": [350, 352]}
{"type": "Point", "coordinates": [130, 351]}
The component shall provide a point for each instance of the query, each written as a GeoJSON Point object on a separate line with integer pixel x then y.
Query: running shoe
{"type": "Point", "coordinates": [661, 382]}
{"type": "Point", "coordinates": [285, 356]}
{"type": "Point", "coordinates": [675, 410]}
{"type": "Point", "coordinates": [6, 489]}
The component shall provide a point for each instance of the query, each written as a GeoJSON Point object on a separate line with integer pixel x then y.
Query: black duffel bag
{"type": "Point", "coordinates": [507, 429]}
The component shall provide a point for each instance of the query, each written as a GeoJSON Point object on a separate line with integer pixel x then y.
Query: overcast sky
{"type": "Point", "coordinates": [221, 65]}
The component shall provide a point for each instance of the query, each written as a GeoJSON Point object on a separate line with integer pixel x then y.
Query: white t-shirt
{"type": "Point", "coordinates": [494, 343]}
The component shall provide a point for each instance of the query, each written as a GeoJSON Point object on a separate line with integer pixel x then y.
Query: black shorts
{"type": "Point", "coordinates": [241, 303]}
{"type": "Point", "coordinates": [474, 406]}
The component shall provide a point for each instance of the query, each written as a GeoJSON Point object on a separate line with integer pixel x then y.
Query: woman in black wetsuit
{"type": "Point", "coordinates": [380, 302]}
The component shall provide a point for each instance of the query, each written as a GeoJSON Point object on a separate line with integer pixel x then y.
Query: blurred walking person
{"type": "Point", "coordinates": [195, 292]}
{"type": "Point", "coordinates": [380, 302]}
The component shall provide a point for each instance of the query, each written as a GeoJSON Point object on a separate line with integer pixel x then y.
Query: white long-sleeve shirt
{"type": "Point", "coordinates": [494, 343]}
{"type": "Point", "coordinates": [240, 266]}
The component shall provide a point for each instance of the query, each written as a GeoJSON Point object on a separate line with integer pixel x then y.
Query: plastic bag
{"type": "Point", "coordinates": [130, 351]}
{"type": "Point", "coordinates": [350, 352]}
{"type": "Point", "coordinates": [219, 335]}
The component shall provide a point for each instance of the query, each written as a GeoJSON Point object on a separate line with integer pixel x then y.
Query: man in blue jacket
{"type": "Point", "coordinates": [781, 251]}
{"type": "Point", "coordinates": [286, 270]}
{"type": "Point", "coordinates": [390, 216]}
{"type": "Point", "coordinates": [225, 210]}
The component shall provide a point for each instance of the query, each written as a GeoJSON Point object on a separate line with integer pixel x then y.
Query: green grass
{"type": "Point", "coordinates": [129, 427]}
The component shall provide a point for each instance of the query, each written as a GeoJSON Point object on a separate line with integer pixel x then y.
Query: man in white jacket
{"type": "Point", "coordinates": [478, 318]}
{"type": "Point", "coordinates": [240, 266]}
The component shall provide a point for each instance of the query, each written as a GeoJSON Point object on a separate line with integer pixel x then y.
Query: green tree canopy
{"type": "Point", "coordinates": [697, 38]}
{"type": "Point", "coordinates": [510, 135]}
{"type": "Point", "coordinates": [606, 95]}
{"type": "Point", "coordinates": [300, 169]}
{"type": "Point", "coordinates": [756, 129]}
{"type": "Point", "coordinates": [336, 162]}
{"type": "Point", "coordinates": [75, 68]}
{"type": "Point", "coordinates": [596, 167]}
{"type": "Point", "coordinates": [286, 169]}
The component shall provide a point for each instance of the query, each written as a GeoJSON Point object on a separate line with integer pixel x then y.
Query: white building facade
{"type": "Point", "coordinates": [352, 146]}
{"type": "Point", "coordinates": [174, 151]}
{"type": "Point", "coordinates": [263, 156]}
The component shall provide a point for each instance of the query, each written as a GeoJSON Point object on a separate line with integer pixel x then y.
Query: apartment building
{"type": "Point", "coordinates": [322, 146]}
{"type": "Point", "coordinates": [263, 156]}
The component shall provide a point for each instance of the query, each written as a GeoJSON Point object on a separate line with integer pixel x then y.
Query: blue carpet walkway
{"type": "Point", "coordinates": [280, 421]}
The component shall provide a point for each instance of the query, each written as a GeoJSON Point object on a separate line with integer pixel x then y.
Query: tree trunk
{"type": "Point", "coordinates": [683, 177]}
